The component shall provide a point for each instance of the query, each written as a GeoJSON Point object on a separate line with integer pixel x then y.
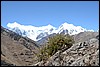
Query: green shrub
{"type": "Point", "coordinates": [55, 43]}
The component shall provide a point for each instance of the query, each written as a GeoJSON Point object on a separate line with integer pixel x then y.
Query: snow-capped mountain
{"type": "Point", "coordinates": [70, 29]}
{"type": "Point", "coordinates": [37, 33]}
{"type": "Point", "coordinates": [34, 33]}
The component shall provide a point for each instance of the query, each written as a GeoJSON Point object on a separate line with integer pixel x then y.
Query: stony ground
{"type": "Point", "coordinates": [84, 53]}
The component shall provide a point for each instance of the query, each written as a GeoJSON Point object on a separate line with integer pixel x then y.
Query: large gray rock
{"type": "Point", "coordinates": [84, 53]}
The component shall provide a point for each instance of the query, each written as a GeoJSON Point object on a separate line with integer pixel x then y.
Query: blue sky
{"type": "Point", "coordinates": [41, 13]}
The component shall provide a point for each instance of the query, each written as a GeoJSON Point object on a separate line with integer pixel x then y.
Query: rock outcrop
{"type": "Point", "coordinates": [85, 53]}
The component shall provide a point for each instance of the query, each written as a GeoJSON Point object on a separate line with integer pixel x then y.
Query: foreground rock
{"type": "Point", "coordinates": [84, 53]}
{"type": "Point", "coordinates": [3, 63]}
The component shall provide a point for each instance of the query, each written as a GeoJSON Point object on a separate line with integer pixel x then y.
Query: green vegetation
{"type": "Point", "coordinates": [55, 43]}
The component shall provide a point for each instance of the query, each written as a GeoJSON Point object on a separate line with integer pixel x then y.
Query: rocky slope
{"type": "Point", "coordinates": [21, 51]}
{"type": "Point", "coordinates": [16, 50]}
{"type": "Point", "coordinates": [85, 52]}
{"type": "Point", "coordinates": [84, 36]}
{"type": "Point", "coordinates": [81, 37]}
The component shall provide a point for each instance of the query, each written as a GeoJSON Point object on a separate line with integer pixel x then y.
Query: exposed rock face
{"type": "Point", "coordinates": [85, 53]}
{"type": "Point", "coordinates": [84, 36]}
{"type": "Point", "coordinates": [16, 50]}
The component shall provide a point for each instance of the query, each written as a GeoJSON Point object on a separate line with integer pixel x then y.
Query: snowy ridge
{"type": "Point", "coordinates": [37, 33]}
{"type": "Point", "coordinates": [72, 30]}
{"type": "Point", "coordinates": [31, 31]}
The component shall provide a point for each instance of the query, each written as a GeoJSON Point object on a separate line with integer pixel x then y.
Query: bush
{"type": "Point", "coordinates": [55, 43]}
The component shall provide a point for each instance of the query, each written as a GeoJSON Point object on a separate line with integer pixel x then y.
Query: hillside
{"type": "Point", "coordinates": [85, 52]}
{"type": "Point", "coordinates": [85, 36]}
{"type": "Point", "coordinates": [17, 50]}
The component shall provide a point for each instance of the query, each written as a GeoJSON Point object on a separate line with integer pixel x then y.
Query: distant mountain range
{"type": "Point", "coordinates": [37, 33]}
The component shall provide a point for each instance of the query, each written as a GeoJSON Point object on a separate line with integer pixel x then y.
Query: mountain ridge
{"type": "Point", "coordinates": [43, 31]}
{"type": "Point", "coordinates": [16, 50]}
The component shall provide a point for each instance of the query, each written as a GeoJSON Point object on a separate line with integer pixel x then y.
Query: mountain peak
{"type": "Point", "coordinates": [50, 26]}
{"type": "Point", "coordinates": [12, 25]}
{"type": "Point", "coordinates": [67, 25]}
